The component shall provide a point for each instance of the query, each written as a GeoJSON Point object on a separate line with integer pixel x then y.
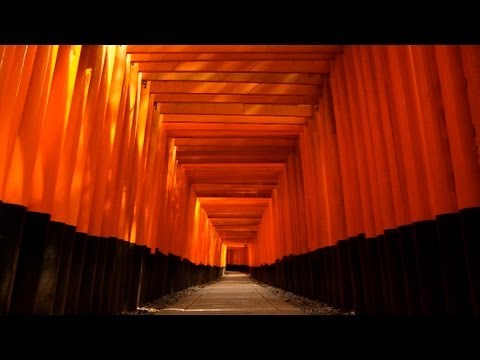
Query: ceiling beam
{"type": "Point", "coordinates": [238, 148]}
{"type": "Point", "coordinates": [335, 49]}
{"type": "Point", "coordinates": [243, 77]}
{"type": "Point", "coordinates": [267, 66]}
{"type": "Point", "coordinates": [234, 109]}
{"type": "Point", "coordinates": [233, 99]}
{"type": "Point", "coordinates": [191, 87]}
{"type": "Point", "coordinates": [258, 56]}
{"type": "Point", "coordinates": [234, 142]}
{"type": "Point", "coordinates": [227, 120]}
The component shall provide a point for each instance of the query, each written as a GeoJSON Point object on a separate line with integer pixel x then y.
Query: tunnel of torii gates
{"type": "Point", "coordinates": [346, 174]}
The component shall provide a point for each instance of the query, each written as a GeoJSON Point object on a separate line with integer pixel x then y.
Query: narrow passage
{"type": "Point", "coordinates": [234, 294]}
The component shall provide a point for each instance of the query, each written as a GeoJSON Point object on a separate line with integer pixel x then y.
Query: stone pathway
{"type": "Point", "coordinates": [235, 293]}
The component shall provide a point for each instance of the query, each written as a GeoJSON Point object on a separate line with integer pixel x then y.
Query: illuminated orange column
{"type": "Point", "coordinates": [144, 120]}
{"type": "Point", "coordinates": [81, 178]}
{"type": "Point", "coordinates": [392, 148]}
{"type": "Point", "coordinates": [320, 193]}
{"type": "Point", "coordinates": [302, 214]}
{"type": "Point", "coordinates": [319, 142]}
{"type": "Point", "coordinates": [157, 189]}
{"type": "Point", "coordinates": [71, 141]}
{"type": "Point", "coordinates": [407, 134]}
{"type": "Point", "coordinates": [360, 127]}
{"type": "Point", "coordinates": [19, 183]}
{"type": "Point", "coordinates": [471, 69]}
{"type": "Point", "coordinates": [307, 176]}
{"type": "Point", "coordinates": [327, 130]}
{"type": "Point", "coordinates": [359, 147]}
{"type": "Point", "coordinates": [431, 120]}
{"type": "Point", "coordinates": [15, 72]}
{"type": "Point", "coordinates": [119, 150]}
{"type": "Point", "coordinates": [319, 226]}
{"type": "Point", "coordinates": [375, 142]}
{"type": "Point", "coordinates": [52, 134]}
{"type": "Point", "coordinates": [349, 158]}
{"type": "Point", "coordinates": [92, 151]}
{"type": "Point", "coordinates": [461, 133]}
{"type": "Point", "coordinates": [413, 121]}
{"type": "Point", "coordinates": [135, 167]}
{"type": "Point", "coordinates": [102, 201]}
{"type": "Point", "coordinates": [270, 223]}
{"type": "Point", "coordinates": [344, 159]}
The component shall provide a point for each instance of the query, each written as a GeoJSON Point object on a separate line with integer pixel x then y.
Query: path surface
{"type": "Point", "coordinates": [234, 294]}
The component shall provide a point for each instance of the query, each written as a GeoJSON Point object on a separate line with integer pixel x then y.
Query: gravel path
{"type": "Point", "coordinates": [309, 307]}
{"type": "Point", "coordinates": [165, 301]}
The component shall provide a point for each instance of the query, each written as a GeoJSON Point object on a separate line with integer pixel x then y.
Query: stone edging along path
{"type": "Point", "coordinates": [309, 307]}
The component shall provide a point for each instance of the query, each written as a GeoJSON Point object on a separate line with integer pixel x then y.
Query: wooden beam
{"type": "Point", "coordinates": [235, 109]}
{"type": "Point", "coordinates": [267, 66]}
{"type": "Point", "coordinates": [237, 216]}
{"type": "Point", "coordinates": [234, 181]}
{"type": "Point", "coordinates": [235, 244]}
{"type": "Point", "coordinates": [243, 99]}
{"type": "Point", "coordinates": [214, 156]}
{"type": "Point", "coordinates": [184, 56]}
{"type": "Point", "coordinates": [218, 133]}
{"type": "Point", "coordinates": [234, 214]}
{"type": "Point", "coordinates": [258, 77]}
{"type": "Point", "coordinates": [234, 221]}
{"type": "Point", "coordinates": [236, 195]}
{"type": "Point", "coordinates": [240, 241]}
{"type": "Point", "coordinates": [225, 88]}
{"type": "Point", "coordinates": [227, 120]}
{"type": "Point", "coordinates": [237, 148]}
{"type": "Point", "coordinates": [232, 187]}
{"type": "Point", "coordinates": [335, 49]}
{"type": "Point", "coordinates": [232, 127]}
{"type": "Point", "coordinates": [236, 227]}
{"type": "Point", "coordinates": [261, 166]}
{"type": "Point", "coordinates": [234, 142]}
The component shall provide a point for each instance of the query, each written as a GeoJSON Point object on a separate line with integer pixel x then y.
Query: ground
{"type": "Point", "coordinates": [235, 294]}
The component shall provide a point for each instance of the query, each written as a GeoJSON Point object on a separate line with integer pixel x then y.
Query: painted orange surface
{"type": "Point", "coordinates": [239, 154]}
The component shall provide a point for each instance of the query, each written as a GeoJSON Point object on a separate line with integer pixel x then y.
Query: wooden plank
{"type": "Point", "coordinates": [238, 148]}
{"type": "Point", "coordinates": [232, 244]}
{"type": "Point", "coordinates": [232, 203]}
{"type": "Point", "coordinates": [285, 66]}
{"type": "Point", "coordinates": [233, 127]}
{"type": "Point", "coordinates": [235, 213]}
{"type": "Point", "coordinates": [237, 216]}
{"type": "Point", "coordinates": [225, 88]}
{"type": "Point", "coordinates": [264, 166]}
{"type": "Point", "coordinates": [226, 160]}
{"type": "Point", "coordinates": [222, 177]}
{"type": "Point", "coordinates": [240, 181]}
{"type": "Point", "coordinates": [234, 221]}
{"type": "Point", "coordinates": [227, 120]}
{"type": "Point", "coordinates": [335, 49]}
{"type": "Point", "coordinates": [256, 77]}
{"type": "Point", "coordinates": [236, 230]}
{"type": "Point", "coordinates": [231, 134]}
{"type": "Point", "coordinates": [184, 56]}
{"type": "Point", "coordinates": [233, 154]}
{"type": "Point", "coordinates": [234, 142]}
{"type": "Point", "coordinates": [234, 109]}
{"type": "Point", "coordinates": [232, 187]}
{"type": "Point", "coordinates": [235, 98]}
{"type": "Point", "coordinates": [259, 194]}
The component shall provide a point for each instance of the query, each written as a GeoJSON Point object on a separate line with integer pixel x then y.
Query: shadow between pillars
{"type": "Point", "coordinates": [47, 267]}
{"type": "Point", "coordinates": [428, 268]}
